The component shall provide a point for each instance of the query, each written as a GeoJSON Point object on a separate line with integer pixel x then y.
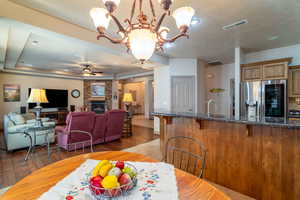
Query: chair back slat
{"type": "Point", "coordinates": [191, 159]}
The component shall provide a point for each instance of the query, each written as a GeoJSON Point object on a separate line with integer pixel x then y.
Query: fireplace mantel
{"type": "Point", "coordinates": [88, 98]}
{"type": "Point", "coordinates": [96, 99]}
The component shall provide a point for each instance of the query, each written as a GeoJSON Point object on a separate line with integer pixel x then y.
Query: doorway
{"type": "Point", "coordinates": [141, 107]}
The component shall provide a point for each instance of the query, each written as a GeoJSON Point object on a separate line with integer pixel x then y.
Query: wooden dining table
{"type": "Point", "coordinates": [34, 185]}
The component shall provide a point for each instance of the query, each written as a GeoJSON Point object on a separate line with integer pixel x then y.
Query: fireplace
{"type": "Point", "coordinates": [98, 107]}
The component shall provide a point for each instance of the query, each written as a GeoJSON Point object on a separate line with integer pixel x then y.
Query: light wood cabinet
{"type": "Point", "coordinates": [252, 73]}
{"type": "Point", "coordinates": [275, 71]}
{"type": "Point", "coordinates": [265, 70]}
{"type": "Point", "coordinates": [294, 81]}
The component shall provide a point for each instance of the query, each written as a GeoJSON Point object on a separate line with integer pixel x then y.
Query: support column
{"type": "Point", "coordinates": [148, 100]}
{"type": "Point", "coordinates": [115, 94]}
{"type": "Point", "coordinates": [237, 71]}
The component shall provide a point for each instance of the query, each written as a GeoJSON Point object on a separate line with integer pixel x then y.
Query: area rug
{"type": "Point", "coordinates": [150, 149]}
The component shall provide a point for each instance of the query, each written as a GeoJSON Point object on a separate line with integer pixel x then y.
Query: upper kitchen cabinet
{"type": "Point", "coordinates": [275, 71]}
{"type": "Point", "coordinates": [251, 73]}
{"type": "Point", "coordinates": [266, 70]}
{"type": "Point", "coordinates": [294, 81]}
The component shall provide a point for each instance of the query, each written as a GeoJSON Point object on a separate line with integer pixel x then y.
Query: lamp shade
{"type": "Point", "coordinates": [37, 96]}
{"type": "Point", "coordinates": [127, 98]}
{"type": "Point", "coordinates": [100, 17]}
{"type": "Point", "coordinates": [142, 43]}
{"type": "Point", "coordinates": [183, 16]}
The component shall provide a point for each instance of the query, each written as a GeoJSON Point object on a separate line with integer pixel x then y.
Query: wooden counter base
{"type": "Point", "coordinates": [260, 161]}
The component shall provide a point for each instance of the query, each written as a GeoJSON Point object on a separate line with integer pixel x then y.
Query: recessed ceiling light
{"type": "Point", "coordinates": [169, 45]}
{"type": "Point", "coordinates": [195, 21]}
{"type": "Point", "coordinates": [35, 42]}
{"type": "Point", "coordinates": [275, 37]}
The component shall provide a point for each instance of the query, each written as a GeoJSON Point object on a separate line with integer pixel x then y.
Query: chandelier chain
{"type": "Point", "coordinates": [152, 9]}
{"type": "Point", "coordinates": [132, 11]}
{"type": "Point", "coordinates": [141, 4]}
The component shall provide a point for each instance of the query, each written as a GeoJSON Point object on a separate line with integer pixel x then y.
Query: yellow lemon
{"type": "Point", "coordinates": [103, 171]}
{"type": "Point", "coordinates": [110, 182]}
{"type": "Point", "coordinates": [99, 165]}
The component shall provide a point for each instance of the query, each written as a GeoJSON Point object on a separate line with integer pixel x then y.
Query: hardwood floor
{"type": "Point", "coordinates": [13, 167]}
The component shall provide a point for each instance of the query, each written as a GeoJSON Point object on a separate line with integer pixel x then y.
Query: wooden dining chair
{"type": "Point", "coordinates": [187, 154]}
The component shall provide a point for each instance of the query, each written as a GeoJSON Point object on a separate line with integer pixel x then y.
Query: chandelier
{"type": "Point", "coordinates": [143, 36]}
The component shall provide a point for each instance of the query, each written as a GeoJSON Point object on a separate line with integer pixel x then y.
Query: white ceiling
{"type": "Point", "coordinates": [208, 41]}
{"type": "Point", "coordinates": [58, 54]}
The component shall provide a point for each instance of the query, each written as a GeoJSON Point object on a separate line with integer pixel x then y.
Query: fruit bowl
{"type": "Point", "coordinates": [125, 182]}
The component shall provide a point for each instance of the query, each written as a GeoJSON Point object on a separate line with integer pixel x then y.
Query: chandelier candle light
{"type": "Point", "coordinates": [142, 37]}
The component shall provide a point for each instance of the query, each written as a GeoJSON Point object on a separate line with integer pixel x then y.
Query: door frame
{"type": "Point", "coordinates": [194, 89]}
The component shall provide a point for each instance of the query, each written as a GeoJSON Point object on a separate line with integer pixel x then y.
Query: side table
{"type": "Point", "coordinates": [45, 130]}
{"type": "Point", "coordinates": [127, 126]}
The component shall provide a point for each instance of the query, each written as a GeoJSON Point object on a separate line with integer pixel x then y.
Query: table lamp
{"type": "Point", "coordinates": [127, 99]}
{"type": "Point", "coordinates": [38, 96]}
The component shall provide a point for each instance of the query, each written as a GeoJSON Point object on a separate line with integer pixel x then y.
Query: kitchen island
{"type": "Point", "coordinates": [258, 158]}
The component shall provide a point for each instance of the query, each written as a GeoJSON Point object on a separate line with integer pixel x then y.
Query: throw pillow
{"type": "Point", "coordinates": [17, 118]}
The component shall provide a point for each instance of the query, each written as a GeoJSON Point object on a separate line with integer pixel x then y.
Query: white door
{"type": "Point", "coordinates": [183, 93]}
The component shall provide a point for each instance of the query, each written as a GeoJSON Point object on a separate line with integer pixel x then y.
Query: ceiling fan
{"type": "Point", "coordinates": [87, 69]}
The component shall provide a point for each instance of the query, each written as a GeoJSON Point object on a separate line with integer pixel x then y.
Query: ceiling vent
{"type": "Point", "coordinates": [235, 24]}
{"type": "Point", "coordinates": [215, 63]}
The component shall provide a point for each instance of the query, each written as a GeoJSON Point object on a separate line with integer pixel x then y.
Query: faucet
{"type": "Point", "coordinates": [210, 101]}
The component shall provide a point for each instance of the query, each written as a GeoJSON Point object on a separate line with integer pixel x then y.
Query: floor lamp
{"type": "Point", "coordinates": [38, 96]}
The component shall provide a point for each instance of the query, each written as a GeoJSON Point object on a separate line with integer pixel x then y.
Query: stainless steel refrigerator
{"type": "Point", "coordinates": [266, 98]}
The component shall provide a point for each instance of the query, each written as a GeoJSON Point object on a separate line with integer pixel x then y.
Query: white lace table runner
{"type": "Point", "coordinates": [155, 181]}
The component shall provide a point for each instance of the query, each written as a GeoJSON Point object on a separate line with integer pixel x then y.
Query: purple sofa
{"type": "Point", "coordinates": [103, 128]}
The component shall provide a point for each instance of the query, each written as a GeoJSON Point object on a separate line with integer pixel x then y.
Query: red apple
{"type": "Point", "coordinates": [96, 181]}
{"type": "Point", "coordinates": [95, 185]}
{"type": "Point", "coordinates": [125, 179]}
{"type": "Point", "coordinates": [120, 165]}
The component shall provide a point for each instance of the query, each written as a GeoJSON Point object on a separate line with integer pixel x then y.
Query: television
{"type": "Point", "coordinates": [56, 99]}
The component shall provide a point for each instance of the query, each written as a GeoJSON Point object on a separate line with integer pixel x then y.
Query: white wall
{"type": "Point", "coordinates": [26, 82]}
{"type": "Point", "coordinates": [149, 98]}
{"type": "Point", "coordinates": [201, 86]}
{"type": "Point", "coordinates": [283, 52]}
{"type": "Point", "coordinates": [162, 82]}
{"type": "Point", "coordinates": [162, 86]}
{"type": "Point", "coordinates": [219, 78]}
{"type": "Point", "coordinates": [186, 67]}
{"type": "Point", "coordinates": [183, 67]}
{"type": "Point", "coordinates": [162, 92]}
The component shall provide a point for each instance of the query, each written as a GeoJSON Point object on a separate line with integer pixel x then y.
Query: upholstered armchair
{"type": "Point", "coordinates": [114, 124]}
{"type": "Point", "coordinates": [99, 129]}
{"type": "Point", "coordinates": [78, 131]}
{"type": "Point", "coordinates": [15, 124]}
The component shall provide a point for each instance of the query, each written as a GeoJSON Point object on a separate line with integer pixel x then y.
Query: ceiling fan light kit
{"type": "Point", "coordinates": [144, 36]}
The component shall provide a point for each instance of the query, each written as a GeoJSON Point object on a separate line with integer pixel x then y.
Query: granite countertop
{"type": "Point", "coordinates": [284, 123]}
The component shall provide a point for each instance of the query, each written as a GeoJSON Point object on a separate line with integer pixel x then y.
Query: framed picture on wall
{"type": "Point", "coordinates": [98, 89]}
{"type": "Point", "coordinates": [11, 93]}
